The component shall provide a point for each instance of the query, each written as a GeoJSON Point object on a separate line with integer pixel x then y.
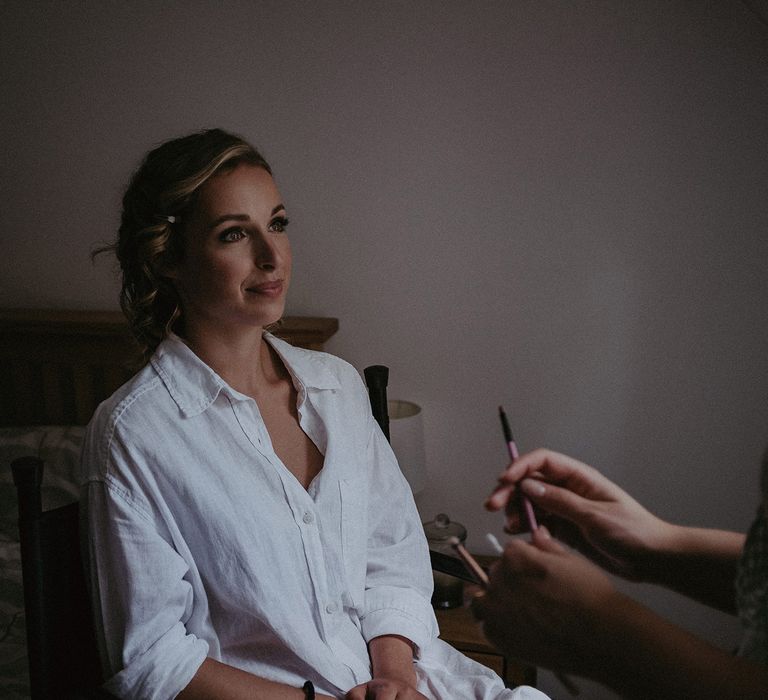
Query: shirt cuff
{"type": "Point", "coordinates": [392, 610]}
{"type": "Point", "coordinates": [163, 671]}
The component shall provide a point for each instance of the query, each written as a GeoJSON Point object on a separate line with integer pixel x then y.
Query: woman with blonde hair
{"type": "Point", "coordinates": [250, 533]}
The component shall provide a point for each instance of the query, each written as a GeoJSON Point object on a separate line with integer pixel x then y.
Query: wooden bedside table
{"type": "Point", "coordinates": [462, 631]}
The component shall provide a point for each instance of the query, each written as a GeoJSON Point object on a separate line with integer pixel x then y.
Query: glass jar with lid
{"type": "Point", "coordinates": [449, 590]}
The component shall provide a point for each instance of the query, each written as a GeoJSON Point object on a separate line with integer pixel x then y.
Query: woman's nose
{"type": "Point", "coordinates": [266, 253]}
{"type": "Point", "coordinates": [265, 264]}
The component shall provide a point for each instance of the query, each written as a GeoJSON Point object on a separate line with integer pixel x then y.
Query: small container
{"type": "Point", "coordinates": [449, 590]}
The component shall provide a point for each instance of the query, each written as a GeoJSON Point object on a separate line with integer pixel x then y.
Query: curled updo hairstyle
{"type": "Point", "coordinates": [158, 201]}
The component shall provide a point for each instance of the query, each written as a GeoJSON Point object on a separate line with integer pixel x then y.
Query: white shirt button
{"type": "Point", "coordinates": [331, 608]}
{"type": "Point", "coordinates": [308, 517]}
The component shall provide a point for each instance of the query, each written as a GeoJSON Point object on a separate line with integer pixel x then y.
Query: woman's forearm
{"type": "Point", "coordinates": [642, 655]}
{"type": "Point", "coordinates": [392, 657]}
{"type": "Point", "coordinates": [699, 563]}
{"type": "Point", "coordinates": [217, 681]}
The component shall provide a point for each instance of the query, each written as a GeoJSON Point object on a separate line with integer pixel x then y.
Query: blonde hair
{"type": "Point", "coordinates": [161, 193]}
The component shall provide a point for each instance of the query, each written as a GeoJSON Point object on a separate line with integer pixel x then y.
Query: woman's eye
{"type": "Point", "coordinates": [232, 235]}
{"type": "Point", "coordinates": [278, 225]}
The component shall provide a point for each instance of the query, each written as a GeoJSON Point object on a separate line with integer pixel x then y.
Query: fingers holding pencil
{"type": "Point", "coordinates": [519, 606]}
{"type": "Point", "coordinates": [551, 467]}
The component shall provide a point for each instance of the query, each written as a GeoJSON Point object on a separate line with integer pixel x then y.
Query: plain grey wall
{"type": "Point", "coordinates": [559, 206]}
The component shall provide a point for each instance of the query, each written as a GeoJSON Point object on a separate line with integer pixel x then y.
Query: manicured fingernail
{"type": "Point", "coordinates": [544, 532]}
{"type": "Point", "coordinates": [532, 487]}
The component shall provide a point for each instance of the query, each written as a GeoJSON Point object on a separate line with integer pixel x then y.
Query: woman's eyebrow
{"type": "Point", "coordinates": [239, 217]}
{"type": "Point", "coordinates": [228, 217]}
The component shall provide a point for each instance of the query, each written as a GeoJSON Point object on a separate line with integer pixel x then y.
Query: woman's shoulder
{"type": "Point", "coordinates": [132, 409]}
{"type": "Point", "coordinates": [125, 417]}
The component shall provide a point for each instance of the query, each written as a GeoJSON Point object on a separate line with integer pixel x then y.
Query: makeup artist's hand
{"type": "Point", "coordinates": [548, 606]}
{"type": "Point", "coordinates": [544, 604]}
{"type": "Point", "coordinates": [584, 509]}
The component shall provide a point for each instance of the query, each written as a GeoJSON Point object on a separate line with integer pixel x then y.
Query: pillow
{"type": "Point", "coordinates": [59, 448]}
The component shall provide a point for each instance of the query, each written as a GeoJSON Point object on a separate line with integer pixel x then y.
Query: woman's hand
{"type": "Point", "coordinates": [384, 689]}
{"type": "Point", "coordinates": [547, 605]}
{"type": "Point", "coordinates": [584, 509]}
{"type": "Point", "coordinates": [393, 672]}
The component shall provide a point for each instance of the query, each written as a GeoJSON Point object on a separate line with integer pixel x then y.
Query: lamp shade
{"type": "Point", "coordinates": [407, 438]}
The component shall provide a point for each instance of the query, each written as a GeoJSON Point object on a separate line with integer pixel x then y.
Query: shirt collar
{"type": "Point", "coordinates": [308, 368]}
{"type": "Point", "coordinates": [194, 386]}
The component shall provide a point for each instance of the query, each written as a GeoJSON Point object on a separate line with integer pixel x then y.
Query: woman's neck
{"type": "Point", "coordinates": [245, 361]}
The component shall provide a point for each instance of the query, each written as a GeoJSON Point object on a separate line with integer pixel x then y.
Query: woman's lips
{"type": "Point", "coordinates": [268, 289]}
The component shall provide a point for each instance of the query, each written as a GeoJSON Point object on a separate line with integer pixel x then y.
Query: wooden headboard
{"type": "Point", "coordinates": [57, 366]}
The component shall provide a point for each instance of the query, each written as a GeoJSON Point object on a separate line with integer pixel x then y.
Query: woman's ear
{"type": "Point", "coordinates": [169, 272]}
{"type": "Point", "coordinates": [168, 266]}
{"type": "Point", "coordinates": [167, 263]}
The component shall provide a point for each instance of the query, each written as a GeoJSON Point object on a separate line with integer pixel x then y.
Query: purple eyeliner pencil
{"type": "Point", "coordinates": [513, 455]}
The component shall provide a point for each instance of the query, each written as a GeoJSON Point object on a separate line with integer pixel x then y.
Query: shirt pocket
{"type": "Point", "coordinates": [354, 535]}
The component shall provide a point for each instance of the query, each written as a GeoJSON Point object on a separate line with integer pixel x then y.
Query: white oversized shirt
{"type": "Point", "coordinates": [203, 544]}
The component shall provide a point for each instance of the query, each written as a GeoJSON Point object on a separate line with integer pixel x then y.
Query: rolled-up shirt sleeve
{"type": "Point", "coordinates": [399, 576]}
{"type": "Point", "coordinates": [141, 613]}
